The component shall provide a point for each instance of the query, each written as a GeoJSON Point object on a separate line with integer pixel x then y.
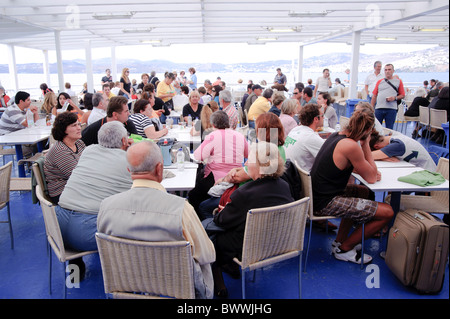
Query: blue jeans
{"type": "Point", "coordinates": [388, 115]}
{"type": "Point", "coordinates": [77, 229]}
{"type": "Point", "coordinates": [206, 207]}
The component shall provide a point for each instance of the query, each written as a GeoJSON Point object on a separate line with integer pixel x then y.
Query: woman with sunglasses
{"type": "Point", "coordinates": [125, 83]}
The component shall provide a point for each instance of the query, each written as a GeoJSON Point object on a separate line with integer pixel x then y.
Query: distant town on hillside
{"type": "Point", "coordinates": [430, 60]}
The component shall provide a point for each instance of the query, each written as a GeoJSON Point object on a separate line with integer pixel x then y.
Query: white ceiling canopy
{"type": "Point", "coordinates": [119, 23]}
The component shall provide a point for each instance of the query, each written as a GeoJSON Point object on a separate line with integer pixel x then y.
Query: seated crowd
{"type": "Point", "coordinates": [101, 181]}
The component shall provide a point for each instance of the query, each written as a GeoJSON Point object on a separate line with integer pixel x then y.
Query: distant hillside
{"type": "Point", "coordinates": [430, 60]}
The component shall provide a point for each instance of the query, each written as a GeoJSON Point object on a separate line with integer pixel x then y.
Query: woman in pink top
{"type": "Point", "coordinates": [222, 150]}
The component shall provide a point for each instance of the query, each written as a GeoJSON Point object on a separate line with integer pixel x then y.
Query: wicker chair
{"type": "Point", "coordinates": [424, 118]}
{"type": "Point", "coordinates": [437, 118]}
{"type": "Point", "coordinates": [135, 269]}
{"type": "Point", "coordinates": [55, 239]}
{"type": "Point", "coordinates": [5, 180]}
{"type": "Point", "coordinates": [273, 234]}
{"type": "Point", "coordinates": [402, 118]}
{"type": "Point", "coordinates": [307, 192]}
{"type": "Point", "coordinates": [437, 202]}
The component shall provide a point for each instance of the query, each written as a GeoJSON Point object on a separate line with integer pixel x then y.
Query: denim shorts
{"type": "Point", "coordinates": [77, 229]}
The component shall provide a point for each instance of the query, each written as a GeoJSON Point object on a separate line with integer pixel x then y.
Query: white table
{"type": "Point", "coordinates": [26, 136]}
{"type": "Point", "coordinates": [183, 181]}
{"type": "Point", "coordinates": [389, 183]}
{"type": "Point", "coordinates": [187, 165]}
{"type": "Point", "coordinates": [387, 164]}
{"type": "Point", "coordinates": [183, 135]}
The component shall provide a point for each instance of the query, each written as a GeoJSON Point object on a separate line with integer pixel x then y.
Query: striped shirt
{"type": "Point", "coordinates": [11, 120]}
{"type": "Point", "coordinates": [142, 122]}
{"type": "Point", "coordinates": [233, 115]}
{"type": "Point", "coordinates": [59, 164]}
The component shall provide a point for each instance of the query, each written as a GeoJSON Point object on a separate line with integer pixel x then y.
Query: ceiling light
{"type": "Point", "coordinates": [309, 13]}
{"type": "Point", "coordinates": [284, 30]}
{"type": "Point", "coordinates": [433, 29]}
{"type": "Point", "coordinates": [385, 39]}
{"type": "Point", "coordinates": [150, 41]}
{"type": "Point", "coordinates": [112, 15]}
{"type": "Point", "coordinates": [266, 39]}
{"type": "Point", "coordinates": [137, 30]}
{"type": "Point", "coordinates": [423, 29]}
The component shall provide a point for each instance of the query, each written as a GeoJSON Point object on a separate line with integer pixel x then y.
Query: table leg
{"type": "Point", "coordinates": [395, 204]}
{"type": "Point", "coordinates": [19, 155]}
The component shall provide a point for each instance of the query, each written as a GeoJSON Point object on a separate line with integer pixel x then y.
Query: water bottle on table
{"type": "Point", "coordinates": [30, 118]}
{"type": "Point", "coordinates": [180, 159]}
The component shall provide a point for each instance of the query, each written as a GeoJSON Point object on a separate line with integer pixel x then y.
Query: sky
{"type": "Point", "coordinates": [226, 53]}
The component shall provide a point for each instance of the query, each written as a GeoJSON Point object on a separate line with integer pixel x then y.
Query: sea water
{"type": "Point", "coordinates": [31, 82]}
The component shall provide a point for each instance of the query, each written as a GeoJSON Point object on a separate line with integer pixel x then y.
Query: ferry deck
{"type": "Point", "coordinates": [24, 269]}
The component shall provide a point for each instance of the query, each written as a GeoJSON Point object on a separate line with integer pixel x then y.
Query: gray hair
{"type": "Point", "coordinates": [376, 62]}
{"type": "Point", "coordinates": [267, 93]}
{"type": "Point", "coordinates": [289, 106]}
{"type": "Point", "coordinates": [96, 99]}
{"type": "Point", "coordinates": [220, 120]}
{"type": "Point", "coordinates": [225, 95]}
{"type": "Point", "coordinates": [149, 161]}
{"type": "Point", "coordinates": [111, 134]}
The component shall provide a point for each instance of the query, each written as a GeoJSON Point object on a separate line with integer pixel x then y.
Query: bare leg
{"type": "Point", "coordinates": [381, 218]}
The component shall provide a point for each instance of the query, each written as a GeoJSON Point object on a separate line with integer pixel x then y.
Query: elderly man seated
{"type": "Point", "coordinates": [101, 172]}
{"type": "Point", "coordinates": [147, 212]}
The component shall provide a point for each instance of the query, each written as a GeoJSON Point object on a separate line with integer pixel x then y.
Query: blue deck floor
{"type": "Point", "coordinates": [24, 270]}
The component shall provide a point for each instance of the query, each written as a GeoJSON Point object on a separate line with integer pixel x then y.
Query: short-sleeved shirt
{"type": "Point", "coordinates": [162, 89]}
{"type": "Point", "coordinates": [187, 110]}
{"type": "Point", "coordinates": [372, 80]}
{"type": "Point", "coordinates": [409, 150]}
{"type": "Point", "coordinates": [384, 90]}
{"type": "Point", "coordinates": [233, 115]}
{"type": "Point", "coordinates": [96, 114]}
{"type": "Point", "coordinates": [193, 86]}
{"type": "Point", "coordinates": [142, 122]}
{"type": "Point", "coordinates": [302, 145]}
{"type": "Point", "coordinates": [280, 79]}
{"type": "Point", "coordinates": [106, 79]}
{"type": "Point", "coordinates": [11, 120]}
{"type": "Point", "coordinates": [126, 86]}
{"type": "Point", "coordinates": [322, 84]}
